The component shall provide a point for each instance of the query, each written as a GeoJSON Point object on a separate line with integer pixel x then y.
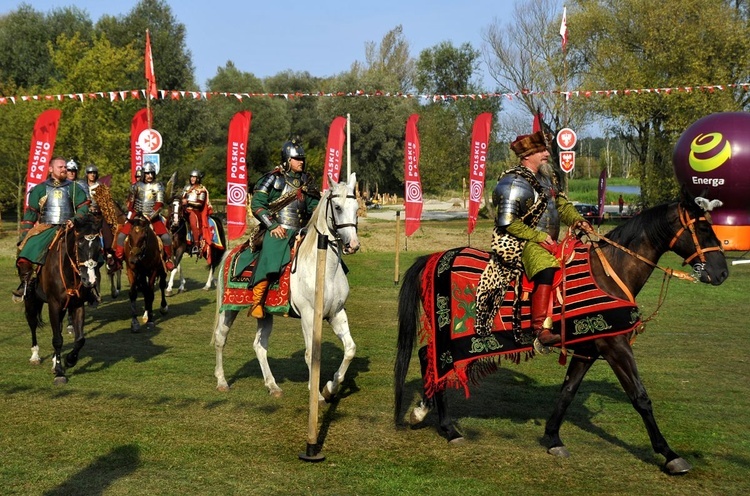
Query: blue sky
{"type": "Point", "coordinates": [322, 37]}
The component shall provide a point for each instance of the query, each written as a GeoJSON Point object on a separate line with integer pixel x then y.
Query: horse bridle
{"type": "Point", "coordinates": [75, 264]}
{"type": "Point", "coordinates": [688, 223]}
{"type": "Point", "coordinates": [336, 225]}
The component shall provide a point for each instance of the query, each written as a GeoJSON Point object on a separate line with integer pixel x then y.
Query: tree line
{"type": "Point", "coordinates": [612, 44]}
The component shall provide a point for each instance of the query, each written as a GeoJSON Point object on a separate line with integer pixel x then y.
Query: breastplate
{"type": "Point", "coordinates": [196, 197]}
{"type": "Point", "coordinates": [294, 215]}
{"type": "Point", "coordinates": [59, 207]}
{"type": "Point", "coordinates": [146, 196]}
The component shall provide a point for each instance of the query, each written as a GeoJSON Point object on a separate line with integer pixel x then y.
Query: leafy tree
{"type": "Point", "coordinates": [660, 44]}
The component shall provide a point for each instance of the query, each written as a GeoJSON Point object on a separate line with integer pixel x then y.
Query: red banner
{"type": "Point", "coordinates": [602, 194]}
{"type": "Point", "coordinates": [334, 151]}
{"type": "Point", "coordinates": [480, 136]}
{"type": "Point", "coordinates": [149, 64]}
{"type": "Point", "coordinates": [239, 131]}
{"type": "Point", "coordinates": [138, 125]}
{"type": "Point", "coordinates": [537, 124]}
{"type": "Point", "coordinates": [42, 146]}
{"type": "Point", "coordinates": [412, 181]}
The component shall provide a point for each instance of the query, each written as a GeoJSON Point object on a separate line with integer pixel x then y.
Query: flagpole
{"type": "Point", "coordinates": [149, 71]}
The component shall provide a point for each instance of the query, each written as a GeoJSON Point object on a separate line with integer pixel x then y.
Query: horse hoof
{"type": "Point", "coordinates": [678, 466]}
{"type": "Point", "coordinates": [164, 310]}
{"type": "Point", "coordinates": [457, 440]}
{"type": "Point", "coordinates": [17, 299]}
{"type": "Point", "coordinates": [168, 292]}
{"type": "Point", "coordinates": [60, 380]}
{"type": "Point", "coordinates": [150, 326]}
{"type": "Point", "coordinates": [560, 451]}
{"type": "Point", "coordinates": [223, 388]}
{"type": "Point", "coordinates": [277, 393]}
{"type": "Point", "coordinates": [35, 361]}
{"type": "Point", "coordinates": [135, 328]}
{"type": "Point", "coordinates": [69, 329]}
{"type": "Point", "coordinates": [327, 393]}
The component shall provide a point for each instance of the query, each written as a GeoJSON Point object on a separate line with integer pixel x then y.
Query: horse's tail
{"type": "Point", "coordinates": [408, 318]}
{"type": "Point", "coordinates": [219, 292]}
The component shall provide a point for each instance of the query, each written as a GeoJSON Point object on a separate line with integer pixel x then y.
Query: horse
{"type": "Point", "coordinates": [65, 283]}
{"type": "Point", "coordinates": [631, 253]}
{"type": "Point", "coordinates": [178, 229]}
{"type": "Point", "coordinates": [335, 218]}
{"type": "Point", "coordinates": [144, 265]}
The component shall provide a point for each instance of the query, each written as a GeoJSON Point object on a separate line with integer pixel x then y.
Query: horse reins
{"type": "Point", "coordinates": [687, 223]}
{"type": "Point", "coordinates": [75, 264]}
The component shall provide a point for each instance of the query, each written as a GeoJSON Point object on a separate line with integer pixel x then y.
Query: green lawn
{"type": "Point", "coordinates": [141, 414]}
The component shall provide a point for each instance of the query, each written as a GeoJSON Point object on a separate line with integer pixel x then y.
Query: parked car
{"type": "Point", "coordinates": [589, 212]}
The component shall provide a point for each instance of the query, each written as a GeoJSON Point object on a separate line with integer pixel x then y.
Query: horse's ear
{"type": "Point", "coordinates": [352, 180]}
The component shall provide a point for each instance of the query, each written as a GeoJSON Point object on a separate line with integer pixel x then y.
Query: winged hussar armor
{"type": "Point", "coordinates": [513, 197]}
{"type": "Point", "coordinates": [147, 195]}
{"type": "Point", "coordinates": [58, 206]}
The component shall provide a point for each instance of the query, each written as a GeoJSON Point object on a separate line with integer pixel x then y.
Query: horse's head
{"type": "Point", "coordinates": [341, 213]}
{"type": "Point", "coordinates": [88, 249]}
{"type": "Point", "coordinates": [137, 242]}
{"type": "Point", "coordinates": [696, 241]}
{"type": "Point", "coordinates": [175, 214]}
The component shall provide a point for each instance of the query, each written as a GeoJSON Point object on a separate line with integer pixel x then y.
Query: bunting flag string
{"type": "Point", "coordinates": [119, 95]}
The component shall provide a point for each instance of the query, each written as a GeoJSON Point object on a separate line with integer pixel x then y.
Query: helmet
{"type": "Point", "coordinates": [72, 166]}
{"type": "Point", "coordinates": [92, 168]}
{"type": "Point", "coordinates": [149, 167]}
{"type": "Point", "coordinates": [292, 149]}
{"type": "Point", "coordinates": [139, 172]}
{"type": "Point", "coordinates": [197, 174]}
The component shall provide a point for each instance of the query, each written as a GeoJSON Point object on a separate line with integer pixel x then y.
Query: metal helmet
{"type": "Point", "coordinates": [196, 174]}
{"type": "Point", "coordinates": [292, 149]}
{"type": "Point", "coordinates": [149, 167]}
{"type": "Point", "coordinates": [71, 166]}
{"type": "Point", "coordinates": [92, 168]}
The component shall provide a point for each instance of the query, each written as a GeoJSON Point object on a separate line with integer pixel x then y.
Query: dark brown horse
{"type": "Point", "coordinates": [683, 228]}
{"type": "Point", "coordinates": [178, 228]}
{"type": "Point", "coordinates": [65, 283]}
{"type": "Point", "coordinates": [144, 265]}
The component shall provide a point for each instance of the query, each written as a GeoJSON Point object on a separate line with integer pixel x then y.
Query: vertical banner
{"type": "Point", "coordinates": [536, 126]}
{"type": "Point", "coordinates": [480, 136]}
{"type": "Point", "coordinates": [149, 65]}
{"type": "Point", "coordinates": [239, 130]}
{"type": "Point", "coordinates": [42, 146]}
{"type": "Point", "coordinates": [412, 181]}
{"type": "Point", "coordinates": [137, 126]}
{"type": "Point", "coordinates": [564, 28]}
{"type": "Point", "coordinates": [334, 151]}
{"type": "Point", "coordinates": [602, 194]}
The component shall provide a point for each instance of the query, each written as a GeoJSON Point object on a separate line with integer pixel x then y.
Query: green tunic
{"type": "Point", "coordinates": [534, 257]}
{"type": "Point", "coordinates": [35, 248]}
{"type": "Point", "coordinates": [275, 252]}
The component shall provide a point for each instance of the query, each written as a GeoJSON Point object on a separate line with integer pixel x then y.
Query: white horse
{"type": "Point", "coordinates": [336, 218]}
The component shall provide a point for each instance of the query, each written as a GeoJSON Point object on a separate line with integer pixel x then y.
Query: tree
{"type": "Point", "coordinates": [660, 44]}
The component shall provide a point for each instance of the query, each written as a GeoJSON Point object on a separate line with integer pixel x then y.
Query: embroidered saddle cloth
{"type": "Point", "coordinates": [449, 283]}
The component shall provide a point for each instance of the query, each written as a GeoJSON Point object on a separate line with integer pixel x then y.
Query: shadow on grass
{"type": "Point", "coordinates": [101, 473]}
{"type": "Point", "coordinates": [522, 399]}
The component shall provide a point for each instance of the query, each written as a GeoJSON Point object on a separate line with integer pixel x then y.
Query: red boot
{"type": "Point", "coordinates": [540, 298]}
{"type": "Point", "coordinates": [168, 263]}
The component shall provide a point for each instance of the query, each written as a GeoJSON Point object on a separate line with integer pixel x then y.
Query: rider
{"type": "Point", "coordinates": [283, 201]}
{"type": "Point", "coordinates": [197, 207]}
{"type": "Point", "coordinates": [530, 206]}
{"type": "Point", "coordinates": [52, 204]}
{"type": "Point", "coordinates": [146, 198]}
{"type": "Point", "coordinates": [72, 172]}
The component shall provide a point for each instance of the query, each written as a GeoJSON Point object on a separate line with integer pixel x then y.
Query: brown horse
{"type": "Point", "coordinates": [65, 283]}
{"type": "Point", "coordinates": [144, 265]}
{"type": "Point", "coordinates": [636, 247]}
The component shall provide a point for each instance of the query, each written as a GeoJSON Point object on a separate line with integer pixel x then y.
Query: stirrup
{"type": "Point", "coordinates": [196, 250]}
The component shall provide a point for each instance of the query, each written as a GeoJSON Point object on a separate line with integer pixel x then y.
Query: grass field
{"type": "Point", "coordinates": [141, 414]}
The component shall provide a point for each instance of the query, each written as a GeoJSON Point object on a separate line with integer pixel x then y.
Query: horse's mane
{"type": "Point", "coordinates": [653, 225]}
{"type": "Point", "coordinates": [337, 190]}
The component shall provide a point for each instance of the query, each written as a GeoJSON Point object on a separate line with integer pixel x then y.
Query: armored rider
{"type": "Point", "coordinates": [146, 199]}
{"type": "Point", "coordinates": [530, 206]}
{"type": "Point", "coordinates": [283, 201]}
{"type": "Point", "coordinates": [196, 208]}
{"type": "Point", "coordinates": [55, 203]}
{"type": "Point", "coordinates": [72, 171]}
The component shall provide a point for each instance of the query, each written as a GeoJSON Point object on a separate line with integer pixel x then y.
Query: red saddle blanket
{"type": "Point", "coordinates": [237, 272]}
{"type": "Point", "coordinates": [449, 284]}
